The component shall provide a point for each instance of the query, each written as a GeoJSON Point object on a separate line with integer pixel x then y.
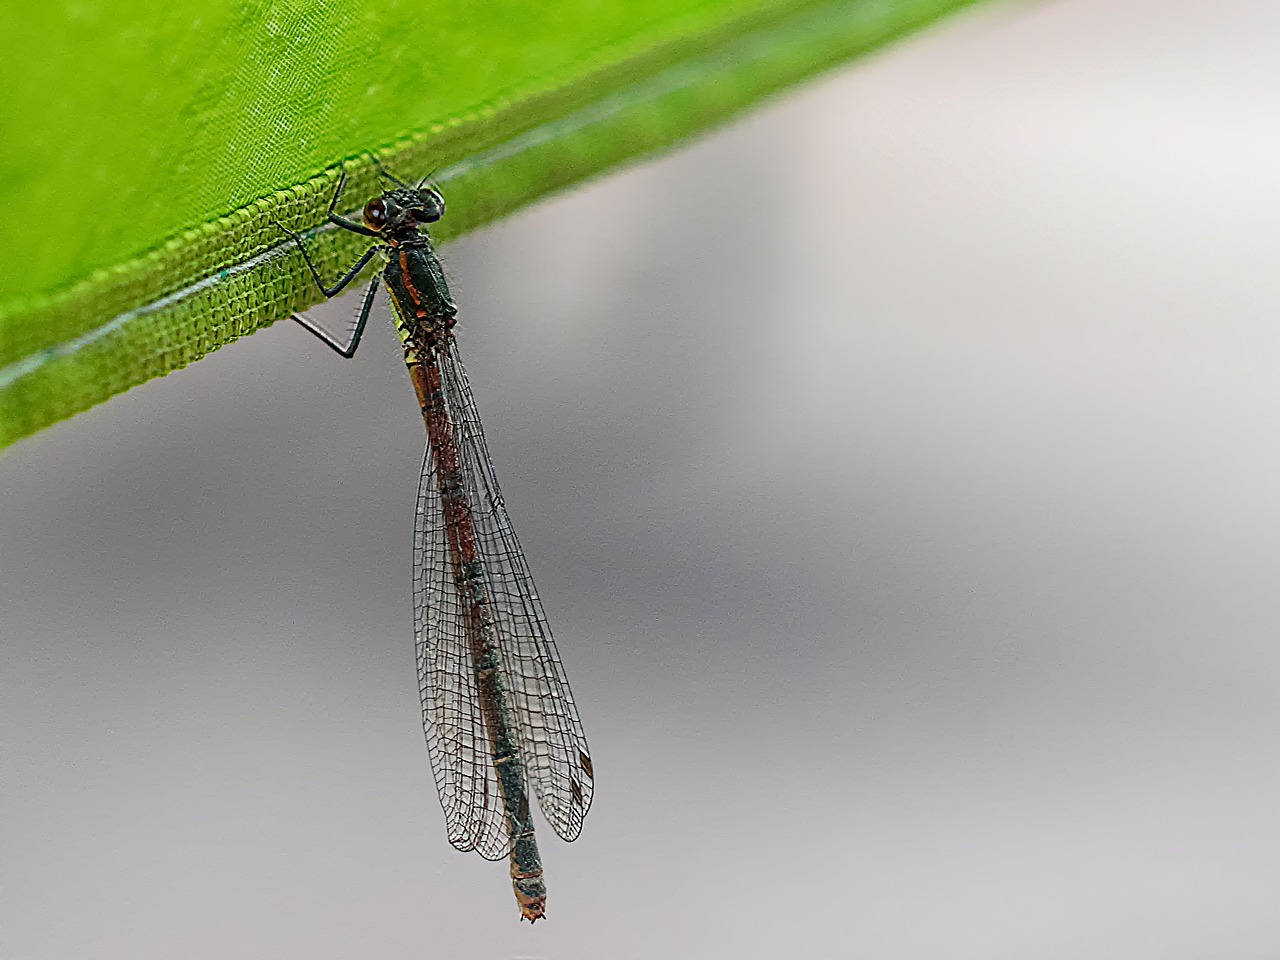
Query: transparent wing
{"type": "Point", "coordinates": [552, 745]}
{"type": "Point", "coordinates": [456, 737]}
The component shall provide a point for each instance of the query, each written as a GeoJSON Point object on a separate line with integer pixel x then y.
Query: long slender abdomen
{"type": "Point", "coordinates": [468, 568]}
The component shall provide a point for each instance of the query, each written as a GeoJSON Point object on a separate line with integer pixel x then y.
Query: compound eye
{"type": "Point", "coordinates": [432, 205]}
{"type": "Point", "coordinates": [375, 214]}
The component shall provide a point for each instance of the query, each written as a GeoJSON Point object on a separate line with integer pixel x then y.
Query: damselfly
{"type": "Point", "coordinates": [496, 704]}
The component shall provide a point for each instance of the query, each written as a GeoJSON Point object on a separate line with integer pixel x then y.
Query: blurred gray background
{"type": "Point", "coordinates": [900, 468]}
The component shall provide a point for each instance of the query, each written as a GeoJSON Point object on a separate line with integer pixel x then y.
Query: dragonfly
{"type": "Point", "coordinates": [496, 706]}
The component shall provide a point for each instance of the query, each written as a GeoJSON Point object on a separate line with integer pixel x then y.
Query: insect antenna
{"type": "Point", "coordinates": [383, 172]}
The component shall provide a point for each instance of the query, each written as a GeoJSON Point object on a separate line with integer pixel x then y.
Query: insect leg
{"type": "Point", "coordinates": [341, 284]}
{"type": "Point", "coordinates": [342, 221]}
{"type": "Point", "coordinates": [347, 350]}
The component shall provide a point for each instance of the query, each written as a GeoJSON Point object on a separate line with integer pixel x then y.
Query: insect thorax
{"type": "Point", "coordinates": [425, 311]}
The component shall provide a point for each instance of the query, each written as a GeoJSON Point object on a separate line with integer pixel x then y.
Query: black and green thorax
{"type": "Point", "coordinates": [425, 311]}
